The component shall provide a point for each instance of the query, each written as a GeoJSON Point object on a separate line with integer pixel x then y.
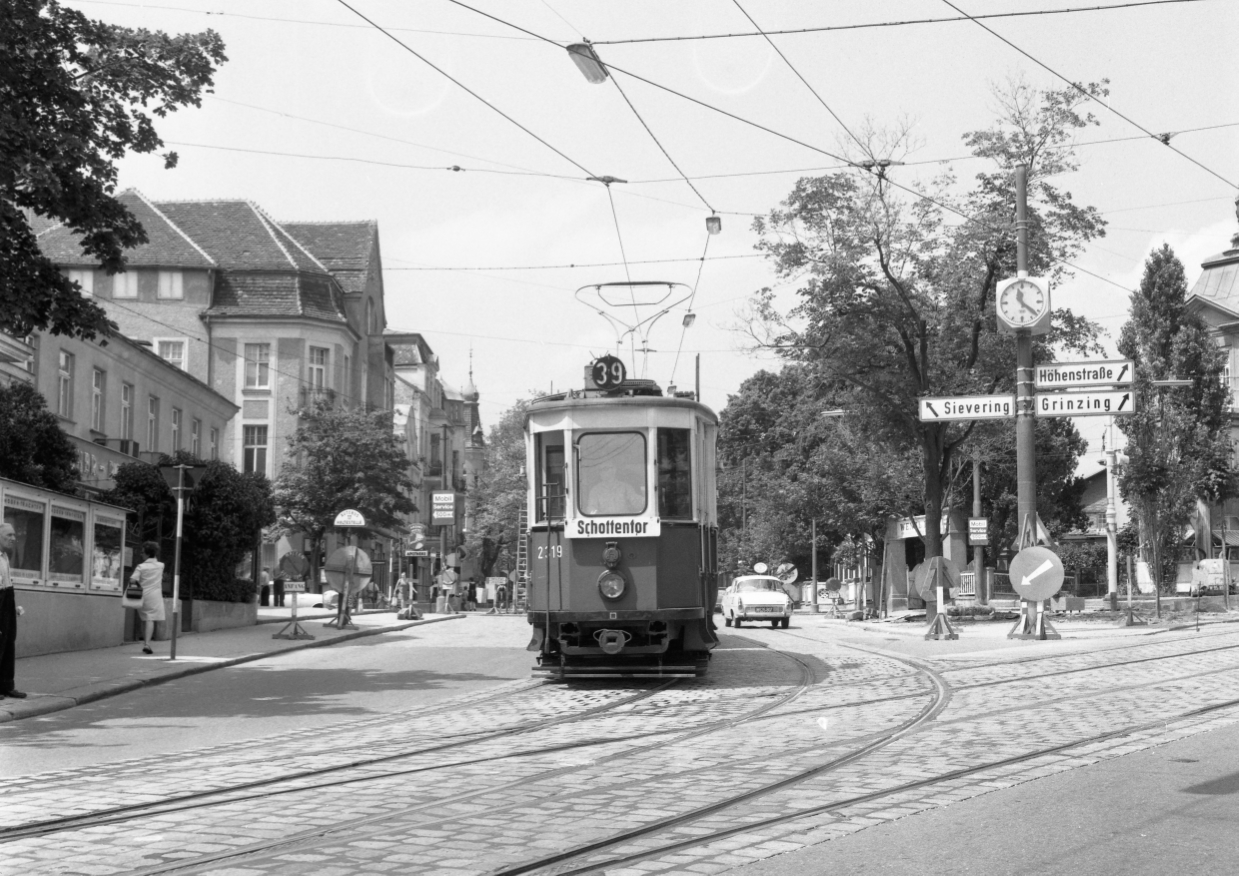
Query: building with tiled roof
{"type": "Point", "coordinates": [265, 313]}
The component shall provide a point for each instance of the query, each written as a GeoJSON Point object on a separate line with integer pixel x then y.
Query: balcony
{"type": "Point", "coordinates": [311, 395]}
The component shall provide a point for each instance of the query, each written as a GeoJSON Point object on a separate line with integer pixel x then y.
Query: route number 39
{"type": "Point", "coordinates": [553, 551]}
{"type": "Point", "coordinates": [608, 372]}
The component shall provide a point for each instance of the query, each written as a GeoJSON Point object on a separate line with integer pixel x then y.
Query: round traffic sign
{"type": "Point", "coordinates": [346, 560]}
{"type": "Point", "coordinates": [1036, 573]}
{"type": "Point", "coordinates": [926, 584]}
{"type": "Point", "coordinates": [833, 585]}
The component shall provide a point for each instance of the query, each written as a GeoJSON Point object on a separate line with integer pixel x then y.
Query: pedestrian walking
{"type": "Point", "coordinates": [149, 574]}
{"type": "Point", "coordinates": [8, 617]}
{"type": "Point", "coordinates": [277, 589]}
{"type": "Point", "coordinates": [264, 586]}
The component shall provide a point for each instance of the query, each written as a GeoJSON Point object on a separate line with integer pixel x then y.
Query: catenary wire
{"type": "Point", "coordinates": [788, 137]}
{"type": "Point", "coordinates": [812, 90]}
{"type": "Point", "coordinates": [754, 255]}
{"type": "Point", "coordinates": [221, 14]}
{"type": "Point", "coordinates": [460, 84]}
{"type": "Point", "coordinates": [701, 263]}
{"type": "Point", "coordinates": [661, 147]}
{"type": "Point", "coordinates": [903, 23]}
{"type": "Point", "coordinates": [1164, 139]}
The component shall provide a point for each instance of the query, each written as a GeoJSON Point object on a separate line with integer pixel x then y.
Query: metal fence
{"type": "Point", "coordinates": [1000, 587]}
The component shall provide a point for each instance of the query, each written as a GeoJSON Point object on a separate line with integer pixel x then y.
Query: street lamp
{"type": "Point", "coordinates": [588, 62]}
{"type": "Point", "coordinates": [714, 224]}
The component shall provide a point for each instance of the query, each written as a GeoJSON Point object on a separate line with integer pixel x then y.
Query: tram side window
{"type": "Point", "coordinates": [611, 473]}
{"type": "Point", "coordinates": [675, 474]}
{"type": "Point", "coordinates": [550, 480]}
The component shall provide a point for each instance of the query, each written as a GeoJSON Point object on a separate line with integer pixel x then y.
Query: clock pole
{"type": "Point", "coordinates": [1025, 401]}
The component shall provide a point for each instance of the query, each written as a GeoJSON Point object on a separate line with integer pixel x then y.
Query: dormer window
{"type": "Point", "coordinates": [171, 285]}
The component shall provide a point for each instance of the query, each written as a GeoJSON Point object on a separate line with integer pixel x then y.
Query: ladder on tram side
{"type": "Point", "coordinates": [520, 598]}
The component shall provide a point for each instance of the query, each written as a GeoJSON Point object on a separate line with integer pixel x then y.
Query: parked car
{"type": "Point", "coordinates": [756, 598]}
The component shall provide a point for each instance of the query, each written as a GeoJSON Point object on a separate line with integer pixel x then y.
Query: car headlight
{"type": "Point", "coordinates": [611, 584]}
{"type": "Point", "coordinates": [740, 605]}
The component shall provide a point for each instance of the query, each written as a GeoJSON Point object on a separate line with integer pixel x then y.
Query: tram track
{"type": "Point", "coordinates": [864, 746]}
{"type": "Point", "coordinates": [191, 800]}
{"type": "Point", "coordinates": [806, 680]}
{"type": "Point", "coordinates": [223, 796]}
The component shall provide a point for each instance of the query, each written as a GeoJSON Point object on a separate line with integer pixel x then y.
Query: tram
{"type": "Point", "coordinates": [623, 529]}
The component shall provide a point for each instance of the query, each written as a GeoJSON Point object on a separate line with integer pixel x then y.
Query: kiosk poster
{"type": "Point", "coordinates": [67, 547]}
{"type": "Point", "coordinates": [106, 555]}
{"type": "Point", "coordinates": [27, 517]}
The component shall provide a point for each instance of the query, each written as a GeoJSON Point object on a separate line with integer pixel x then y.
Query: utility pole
{"type": "Point", "coordinates": [814, 561]}
{"type": "Point", "coordinates": [1112, 528]}
{"type": "Point", "coordinates": [1025, 401]}
{"type": "Point", "coordinates": [978, 551]}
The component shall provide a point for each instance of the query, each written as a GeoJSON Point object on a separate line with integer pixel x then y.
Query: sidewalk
{"type": "Point", "coordinates": [62, 681]}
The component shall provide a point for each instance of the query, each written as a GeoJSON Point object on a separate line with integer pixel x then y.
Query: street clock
{"type": "Point", "coordinates": [1024, 303]}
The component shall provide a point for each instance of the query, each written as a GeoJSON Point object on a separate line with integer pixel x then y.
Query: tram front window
{"type": "Point", "coordinates": [675, 475]}
{"type": "Point", "coordinates": [611, 473]}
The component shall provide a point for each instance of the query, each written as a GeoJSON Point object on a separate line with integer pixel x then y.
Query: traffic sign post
{"type": "Point", "coordinates": [1036, 575]}
{"type": "Point", "coordinates": [298, 631]}
{"type": "Point", "coordinates": [938, 573]}
{"type": "Point", "coordinates": [347, 519]}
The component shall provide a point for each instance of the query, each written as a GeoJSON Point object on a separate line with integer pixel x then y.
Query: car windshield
{"type": "Point", "coordinates": [758, 585]}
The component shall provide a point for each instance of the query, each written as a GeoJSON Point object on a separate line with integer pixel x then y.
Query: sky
{"type": "Point", "coordinates": [330, 111]}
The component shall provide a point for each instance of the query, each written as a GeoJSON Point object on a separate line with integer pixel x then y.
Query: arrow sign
{"type": "Point", "coordinates": [1036, 573]}
{"type": "Point", "coordinates": [1083, 404]}
{"type": "Point", "coordinates": [1096, 373]}
{"type": "Point", "coordinates": [968, 407]}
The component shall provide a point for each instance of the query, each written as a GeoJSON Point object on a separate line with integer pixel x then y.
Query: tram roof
{"type": "Point", "coordinates": [592, 399]}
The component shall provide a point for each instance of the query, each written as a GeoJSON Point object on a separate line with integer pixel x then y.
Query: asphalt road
{"type": "Point", "coordinates": [316, 687]}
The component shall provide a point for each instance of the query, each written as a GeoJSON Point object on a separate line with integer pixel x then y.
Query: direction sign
{"type": "Point", "coordinates": [294, 587]}
{"type": "Point", "coordinates": [968, 407]}
{"type": "Point", "coordinates": [1084, 404]}
{"type": "Point", "coordinates": [417, 553]}
{"type": "Point", "coordinates": [1036, 573]}
{"type": "Point", "coordinates": [1101, 372]}
{"type": "Point", "coordinates": [349, 517]}
{"type": "Point", "coordinates": [443, 507]}
{"type": "Point", "coordinates": [978, 531]}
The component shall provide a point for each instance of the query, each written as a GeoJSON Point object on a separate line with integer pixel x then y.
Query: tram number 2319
{"type": "Point", "coordinates": [550, 551]}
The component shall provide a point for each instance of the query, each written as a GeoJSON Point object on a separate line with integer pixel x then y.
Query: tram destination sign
{"type": "Point", "coordinates": [1101, 372]}
{"type": "Point", "coordinates": [1085, 404]}
{"type": "Point", "coordinates": [968, 407]}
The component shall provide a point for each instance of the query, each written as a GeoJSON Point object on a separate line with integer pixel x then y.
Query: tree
{"type": "Point", "coordinates": [33, 449]}
{"type": "Point", "coordinates": [1178, 439]}
{"type": "Point", "coordinates": [498, 497]}
{"type": "Point", "coordinates": [897, 295]}
{"type": "Point", "coordinates": [224, 513]}
{"type": "Point", "coordinates": [342, 458]}
{"type": "Point", "coordinates": [73, 100]}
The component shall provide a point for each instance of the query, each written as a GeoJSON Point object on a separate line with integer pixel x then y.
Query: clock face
{"type": "Point", "coordinates": [1022, 303]}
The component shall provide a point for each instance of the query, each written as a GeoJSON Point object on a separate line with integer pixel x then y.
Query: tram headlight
{"type": "Point", "coordinates": [611, 584]}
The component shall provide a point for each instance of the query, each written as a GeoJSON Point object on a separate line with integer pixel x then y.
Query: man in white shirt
{"type": "Point", "coordinates": [8, 616]}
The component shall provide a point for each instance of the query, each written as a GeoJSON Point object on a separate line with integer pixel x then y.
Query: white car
{"type": "Point", "coordinates": [756, 598]}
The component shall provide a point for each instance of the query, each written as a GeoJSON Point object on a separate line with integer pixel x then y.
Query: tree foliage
{"type": "Point", "coordinates": [896, 292]}
{"type": "Point", "coordinates": [225, 512]}
{"type": "Point", "coordinates": [340, 458]}
{"type": "Point", "coordinates": [787, 462]}
{"type": "Point", "coordinates": [1178, 439]}
{"type": "Point", "coordinates": [75, 96]}
{"type": "Point", "coordinates": [33, 448]}
{"type": "Point", "coordinates": [498, 497]}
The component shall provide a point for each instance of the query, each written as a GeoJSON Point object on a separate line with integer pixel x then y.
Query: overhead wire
{"type": "Point", "coordinates": [684, 327]}
{"type": "Point", "coordinates": [1164, 139]}
{"type": "Point", "coordinates": [753, 255]}
{"type": "Point", "coordinates": [790, 66]}
{"type": "Point", "coordinates": [461, 85]}
{"type": "Point", "coordinates": [902, 23]}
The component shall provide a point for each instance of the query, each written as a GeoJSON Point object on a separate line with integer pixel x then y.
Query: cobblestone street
{"type": "Point", "coordinates": [793, 739]}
